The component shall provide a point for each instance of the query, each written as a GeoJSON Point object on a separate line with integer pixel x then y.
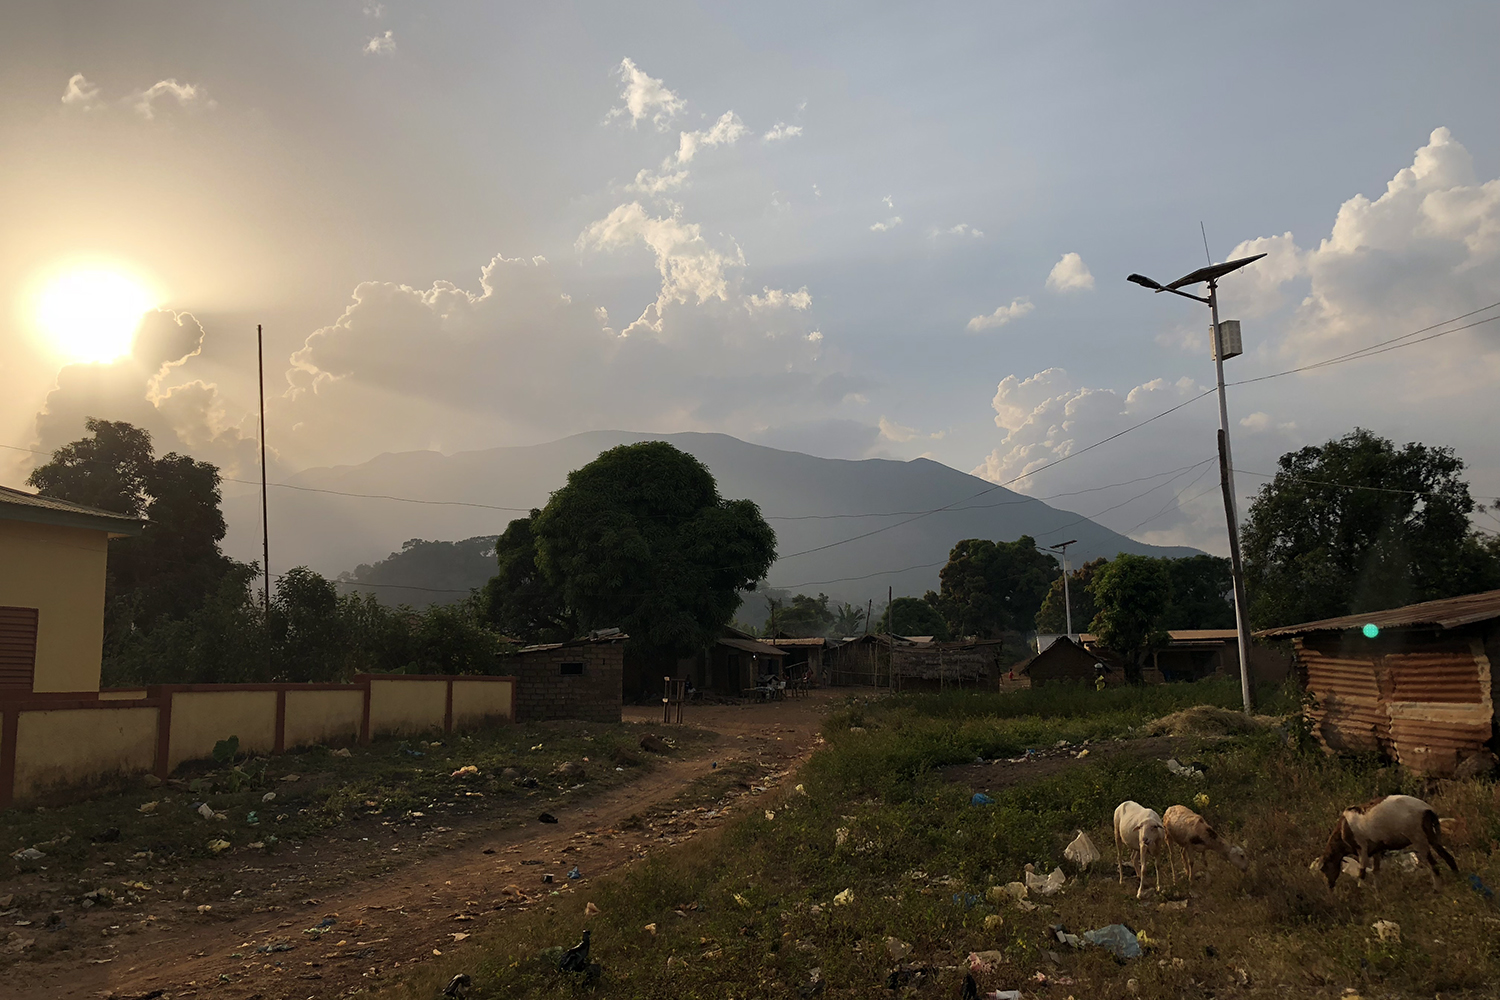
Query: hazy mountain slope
{"type": "Point", "coordinates": [333, 533]}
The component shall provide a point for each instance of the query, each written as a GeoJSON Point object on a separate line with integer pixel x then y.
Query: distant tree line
{"type": "Point", "coordinates": [177, 610]}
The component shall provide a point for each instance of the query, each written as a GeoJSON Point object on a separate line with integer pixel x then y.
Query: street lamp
{"type": "Point", "coordinates": [1226, 341]}
{"type": "Point", "coordinates": [1062, 547]}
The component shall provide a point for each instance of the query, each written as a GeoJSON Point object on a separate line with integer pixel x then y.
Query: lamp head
{"type": "Point", "coordinates": [1141, 279]}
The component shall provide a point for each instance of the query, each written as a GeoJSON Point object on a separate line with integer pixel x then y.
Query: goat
{"type": "Point", "coordinates": [1186, 829]}
{"type": "Point", "coordinates": [1384, 824]}
{"type": "Point", "coordinates": [1141, 831]}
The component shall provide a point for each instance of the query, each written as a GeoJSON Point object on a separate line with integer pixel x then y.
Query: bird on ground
{"type": "Point", "coordinates": [457, 986]}
{"type": "Point", "coordinates": [576, 958]}
{"type": "Point", "coordinates": [547, 818]}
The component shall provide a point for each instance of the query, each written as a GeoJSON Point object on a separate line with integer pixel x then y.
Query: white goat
{"type": "Point", "coordinates": [1384, 824]}
{"type": "Point", "coordinates": [1141, 831]}
{"type": "Point", "coordinates": [1186, 829]}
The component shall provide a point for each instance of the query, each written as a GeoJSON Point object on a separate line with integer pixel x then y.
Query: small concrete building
{"type": "Point", "coordinates": [53, 556]}
{"type": "Point", "coordinates": [580, 679]}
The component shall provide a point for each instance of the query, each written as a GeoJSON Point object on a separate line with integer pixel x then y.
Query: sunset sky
{"type": "Point", "coordinates": [850, 229]}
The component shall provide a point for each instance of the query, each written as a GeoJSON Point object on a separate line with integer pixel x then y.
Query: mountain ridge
{"type": "Point", "coordinates": [849, 527]}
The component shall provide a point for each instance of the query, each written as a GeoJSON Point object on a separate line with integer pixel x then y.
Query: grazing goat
{"type": "Point", "coordinates": [1186, 829]}
{"type": "Point", "coordinates": [1141, 831]}
{"type": "Point", "coordinates": [1385, 824]}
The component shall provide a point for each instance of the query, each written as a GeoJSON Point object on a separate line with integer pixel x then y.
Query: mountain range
{"type": "Point", "coordinates": [850, 529]}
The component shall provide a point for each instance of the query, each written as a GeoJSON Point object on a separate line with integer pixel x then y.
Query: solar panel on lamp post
{"type": "Point", "coordinates": [1211, 275]}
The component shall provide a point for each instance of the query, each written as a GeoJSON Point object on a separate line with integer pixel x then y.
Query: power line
{"type": "Point", "coordinates": [1353, 486]}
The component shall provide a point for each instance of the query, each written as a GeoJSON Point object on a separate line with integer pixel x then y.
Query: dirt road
{"type": "Point", "coordinates": [246, 932]}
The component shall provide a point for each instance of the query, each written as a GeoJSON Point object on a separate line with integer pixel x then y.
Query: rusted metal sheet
{"type": "Point", "coordinates": [1424, 699]}
{"type": "Point", "coordinates": [1451, 612]}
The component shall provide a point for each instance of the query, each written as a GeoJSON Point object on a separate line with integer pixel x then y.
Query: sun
{"type": "Point", "coordinates": [91, 315]}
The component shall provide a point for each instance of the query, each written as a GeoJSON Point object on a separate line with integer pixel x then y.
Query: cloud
{"type": "Point", "coordinates": [962, 229]}
{"type": "Point", "coordinates": [887, 225]}
{"type": "Point", "coordinates": [725, 132]}
{"type": "Point", "coordinates": [645, 96]}
{"type": "Point", "coordinates": [775, 298]}
{"type": "Point", "coordinates": [1002, 315]}
{"type": "Point", "coordinates": [690, 268]}
{"type": "Point", "coordinates": [1426, 249]}
{"type": "Point", "coordinates": [523, 358]}
{"type": "Point", "coordinates": [82, 94]}
{"type": "Point", "coordinates": [892, 431]}
{"type": "Point", "coordinates": [187, 95]}
{"type": "Point", "coordinates": [375, 10]}
{"type": "Point", "coordinates": [1070, 274]}
{"type": "Point", "coordinates": [148, 388]}
{"type": "Point", "coordinates": [381, 45]}
{"type": "Point", "coordinates": [781, 130]}
{"type": "Point", "coordinates": [1260, 422]}
{"type": "Point", "coordinates": [659, 182]}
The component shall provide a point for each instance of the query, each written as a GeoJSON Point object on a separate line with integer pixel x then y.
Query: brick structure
{"type": "Point", "coordinates": [570, 680]}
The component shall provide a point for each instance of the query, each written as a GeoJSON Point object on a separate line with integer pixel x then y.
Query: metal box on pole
{"type": "Point", "coordinates": [1229, 332]}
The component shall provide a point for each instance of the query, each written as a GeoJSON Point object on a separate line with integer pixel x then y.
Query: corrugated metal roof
{"type": "Point", "coordinates": [19, 505]}
{"type": "Point", "coordinates": [1203, 634]}
{"type": "Point", "coordinates": [602, 637]}
{"type": "Point", "coordinates": [750, 646]}
{"type": "Point", "coordinates": [816, 641]}
{"type": "Point", "coordinates": [1450, 612]}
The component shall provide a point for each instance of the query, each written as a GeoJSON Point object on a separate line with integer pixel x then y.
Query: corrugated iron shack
{"type": "Point", "coordinates": [1416, 683]}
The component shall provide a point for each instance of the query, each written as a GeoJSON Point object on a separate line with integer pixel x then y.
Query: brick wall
{"type": "Point", "coordinates": [544, 691]}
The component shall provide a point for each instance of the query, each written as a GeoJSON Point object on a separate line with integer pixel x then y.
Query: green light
{"type": "Point", "coordinates": [1371, 630]}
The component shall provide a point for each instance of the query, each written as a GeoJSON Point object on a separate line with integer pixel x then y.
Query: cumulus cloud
{"type": "Point", "coordinates": [81, 94]}
{"type": "Point", "coordinates": [449, 367]}
{"type": "Point", "coordinates": [652, 182]}
{"type": "Point", "coordinates": [962, 229]}
{"type": "Point", "coordinates": [187, 95]}
{"type": "Point", "coordinates": [724, 132]}
{"type": "Point", "coordinates": [781, 130]}
{"type": "Point", "coordinates": [776, 298]}
{"type": "Point", "coordinates": [690, 267]}
{"type": "Point", "coordinates": [645, 96]}
{"type": "Point", "coordinates": [888, 224]}
{"type": "Point", "coordinates": [1426, 249]}
{"type": "Point", "coordinates": [1070, 274]}
{"type": "Point", "coordinates": [1002, 315]}
{"type": "Point", "coordinates": [381, 45]}
{"type": "Point", "coordinates": [148, 388]}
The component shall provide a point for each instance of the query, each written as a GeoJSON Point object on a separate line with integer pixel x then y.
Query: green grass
{"type": "Point", "coordinates": [749, 911]}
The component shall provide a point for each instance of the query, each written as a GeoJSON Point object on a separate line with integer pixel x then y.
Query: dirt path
{"type": "Point", "coordinates": [219, 943]}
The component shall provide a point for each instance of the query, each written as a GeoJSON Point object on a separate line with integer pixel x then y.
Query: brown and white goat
{"type": "Point", "coordinates": [1188, 831]}
{"type": "Point", "coordinates": [1385, 824]}
{"type": "Point", "coordinates": [1141, 832]}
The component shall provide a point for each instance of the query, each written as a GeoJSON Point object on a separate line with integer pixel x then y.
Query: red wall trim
{"type": "Point", "coordinates": [364, 720]}
{"type": "Point", "coordinates": [432, 677]}
{"type": "Point", "coordinates": [280, 744]}
{"type": "Point", "coordinates": [163, 733]}
{"type": "Point", "coordinates": [448, 709]}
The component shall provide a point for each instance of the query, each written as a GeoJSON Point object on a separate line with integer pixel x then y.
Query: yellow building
{"type": "Point", "coordinates": [52, 561]}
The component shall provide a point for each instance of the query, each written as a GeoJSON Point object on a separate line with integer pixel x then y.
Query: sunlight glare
{"type": "Point", "coordinates": [92, 315]}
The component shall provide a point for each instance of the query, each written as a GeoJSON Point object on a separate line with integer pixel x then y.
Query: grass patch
{"type": "Point", "coordinates": [751, 910]}
{"type": "Point", "coordinates": [404, 783]}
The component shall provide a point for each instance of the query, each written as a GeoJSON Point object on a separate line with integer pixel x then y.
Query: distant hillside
{"type": "Point", "coordinates": [813, 503]}
{"type": "Point", "coordinates": [424, 572]}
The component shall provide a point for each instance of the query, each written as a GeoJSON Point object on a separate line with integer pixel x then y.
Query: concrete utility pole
{"type": "Point", "coordinates": [1227, 344]}
{"type": "Point", "coordinates": [1062, 547]}
{"type": "Point", "coordinates": [265, 519]}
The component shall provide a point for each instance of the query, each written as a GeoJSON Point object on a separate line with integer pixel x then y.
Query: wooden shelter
{"type": "Point", "coordinates": [1416, 683]}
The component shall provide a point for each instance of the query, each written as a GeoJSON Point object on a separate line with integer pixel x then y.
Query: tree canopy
{"type": "Point", "coordinates": [175, 563]}
{"type": "Point", "coordinates": [801, 617]}
{"type": "Point", "coordinates": [1132, 594]}
{"type": "Point", "coordinates": [989, 588]}
{"type": "Point", "coordinates": [519, 599]}
{"type": "Point", "coordinates": [913, 616]}
{"type": "Point", "coordinates": [640, 539]}
{"type": "Point", "coordinates": [1052, 617]}
{"type": "Point", "coordinates": [1358, 524]}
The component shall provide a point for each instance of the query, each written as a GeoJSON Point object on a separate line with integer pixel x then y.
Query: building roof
{"type": "Point", "coordinates": [1062, 644]}
{"type": "Point", "coordinates": [750, 646]}
{"type": "Point", "coordinates": [18, 505]}
{"type": "Point", "coordinates": [814, 641]}
{"type": "Point", "coordinates": [598, 637]}
{"type": "Point", "coordinates": [1450, 612]}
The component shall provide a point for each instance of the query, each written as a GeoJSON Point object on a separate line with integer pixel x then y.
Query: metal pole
{"type": "Point", "coordinates": [265, 521]}
{"type": "Point", "coordinates": [1231, 515]}
{"type": "Point", "coordinates": [1067, 599]}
